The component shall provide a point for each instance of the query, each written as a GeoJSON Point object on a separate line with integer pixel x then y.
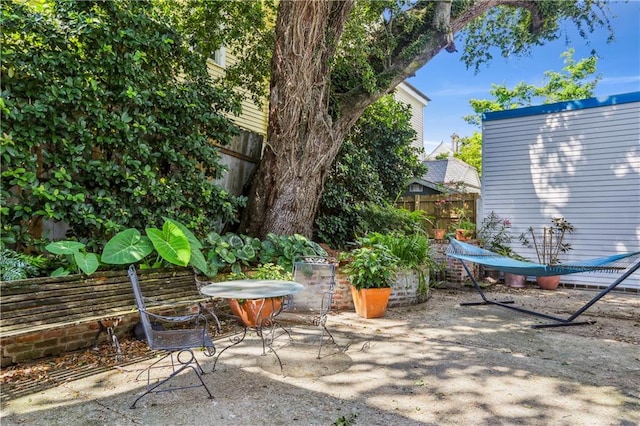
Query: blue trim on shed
{"type": "Point", "coordinates": [623, 98]}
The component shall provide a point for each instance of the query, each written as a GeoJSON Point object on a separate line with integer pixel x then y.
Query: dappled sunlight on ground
{"type": "Point", "coordinates": [435, 363]}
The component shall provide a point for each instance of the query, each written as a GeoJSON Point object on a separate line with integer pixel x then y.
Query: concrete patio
{"type": "Point", "coordinates": [433, 363]}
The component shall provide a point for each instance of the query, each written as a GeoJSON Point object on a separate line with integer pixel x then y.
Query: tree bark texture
{"type": "Point", "coordinates": [302, 139]}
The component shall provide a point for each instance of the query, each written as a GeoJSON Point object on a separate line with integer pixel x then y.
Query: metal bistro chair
{"type": "Point", "coordinates": [313, 303]}
{"type": "Point", "coordinates": [177, 341]}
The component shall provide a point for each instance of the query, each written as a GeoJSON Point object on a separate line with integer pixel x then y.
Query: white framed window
{"type": "Point", "coordinates": [220, 56]}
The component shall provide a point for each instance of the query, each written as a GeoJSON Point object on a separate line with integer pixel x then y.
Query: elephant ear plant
{"type": "Point", "coordinates": [76, 255]}
{"type": "Point", "coordinates": [174, 244]}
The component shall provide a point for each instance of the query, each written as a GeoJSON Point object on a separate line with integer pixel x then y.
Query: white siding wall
{"type": "Point", "coordinates": [416, 102]}
{"type": "Point", "coordinates": [583, 164]}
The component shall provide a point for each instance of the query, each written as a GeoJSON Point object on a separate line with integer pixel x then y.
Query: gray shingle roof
{"type": "Point", "coordinates": [453, 170]}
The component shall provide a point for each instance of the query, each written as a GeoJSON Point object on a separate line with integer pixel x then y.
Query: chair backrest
{"type": "Point", "coordinates": [137, 292]}
{"type": "Point", "coordinates": [317, 275]}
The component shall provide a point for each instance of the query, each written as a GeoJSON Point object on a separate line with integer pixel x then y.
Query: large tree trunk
{"type": "Point", "coordinates": [302, 139]}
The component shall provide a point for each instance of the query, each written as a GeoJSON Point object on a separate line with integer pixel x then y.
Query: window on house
{"type": "Point", "coordinates": [220, 56]}
{"type": "Point", "coordinates": [415, 187]}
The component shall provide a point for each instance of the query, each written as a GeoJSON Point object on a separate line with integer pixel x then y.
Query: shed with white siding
{"type": "Point", "coordinates": [579, 160]}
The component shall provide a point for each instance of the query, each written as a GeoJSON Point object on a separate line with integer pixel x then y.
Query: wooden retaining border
{"type": "Point", "coordinates": [49, 316]}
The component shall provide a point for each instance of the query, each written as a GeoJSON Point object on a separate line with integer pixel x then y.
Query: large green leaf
{"type": "Point", "coordinates": [198, 261]}
{"type": "Point", "coordinates": [64, 247]}
{"type": "Point", "coordinates": [88, 263]}
{"type": "Point", "coordinates": [226, 255]}
{"type": "Point", "coordinates": [60, 272]}
{"type": "Point", "coordinates": [193, 240]}
{"type": "Point", "coordinates": [128, 246]}
{"type": "Point", "coordinates": [235, 241]}
{"type": "Point", "coordinates": [171, 244]}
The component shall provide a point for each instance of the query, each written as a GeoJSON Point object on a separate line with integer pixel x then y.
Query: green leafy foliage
{"type": "Point", "coordinates": [19, 266]}
{"type": "Point", "coordinates": [108, 118]}
{"type": "Point", "coordinates": [373, 266]}
{"type": "Point", "coordinates": [171, 244]}
{"type": "Point", "coordinates": [412, 250]}
{"type": "Point", "coordinates": [126, 247]}
{"type": "Point", "coordinates": [270, 271]}
{"type": "Point", "coordinates": [470, 150]}
{"type": "Point", "coordinates": [512, 31]}
{"type": "Point", "coordinates": [290, 247]}
{"type": "Point", "coordinates": [232, 252]}
{"type": "Point", "coordinates": [576, 81]}
{"type": "Point", "coordinates": [372, 168]}
{"type": "Point", "coordinates": [76, 255]}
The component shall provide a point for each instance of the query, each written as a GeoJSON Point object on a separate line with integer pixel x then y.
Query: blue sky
{"type": "Point", "coordinates": [450, 86]}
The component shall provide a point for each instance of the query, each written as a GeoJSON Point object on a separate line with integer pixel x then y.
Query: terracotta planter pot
{"type": "Point", "coordinates": [463, 235]}
{"type": "Point", "coordinates": [371, 302]}
{"type": "Point", "coordinates": [438, 234]}
{"type": "Point", "coordinates": [253, 311]}
{"type": "Point", "coordinates": [514, 280]}
{"type": "Point", "coordinates": [548, 283]}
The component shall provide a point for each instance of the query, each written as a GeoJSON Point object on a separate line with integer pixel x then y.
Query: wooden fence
{"type": "Point", "coordinates": [444, 210]}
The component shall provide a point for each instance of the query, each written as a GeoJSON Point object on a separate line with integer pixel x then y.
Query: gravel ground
{"type": "Point", "coordinates": [434, 363]}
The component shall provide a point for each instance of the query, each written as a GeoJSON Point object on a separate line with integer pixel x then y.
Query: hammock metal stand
{"type": "Point", "coordinates": [559, 322]}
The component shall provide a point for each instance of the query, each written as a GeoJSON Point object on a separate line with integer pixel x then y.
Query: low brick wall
{"type": "Point", "coordinates": [406, 291]}
{"type": "Point", "coordinates": [50, 316]}
{"type": "Point", "coordinates": [454, 271]}
{"type": "Point", "coordinates": [342, 300]}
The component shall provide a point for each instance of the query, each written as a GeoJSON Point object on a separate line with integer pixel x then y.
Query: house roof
{"type": "Point", "coordinates": [424, 99]}
{"type": "Point", "coordinates": [442, 148]}
{"type": "Point", "coordinates": [452, 170]}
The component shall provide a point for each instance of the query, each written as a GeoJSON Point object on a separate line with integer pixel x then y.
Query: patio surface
{"type": "Point", "coordinates": [434, 363]}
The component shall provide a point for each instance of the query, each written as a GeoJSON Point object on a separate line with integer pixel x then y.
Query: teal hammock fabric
{"type": "Point", "coordinates": [470, 253]}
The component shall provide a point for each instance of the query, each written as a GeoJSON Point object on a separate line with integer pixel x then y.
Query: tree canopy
{"type": "Point", "coordinates": [134, 104]}
{"type": "Point", "coordinates": [333, 59]}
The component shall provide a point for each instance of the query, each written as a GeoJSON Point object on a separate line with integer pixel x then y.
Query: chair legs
{"type": "Point", "coordinates": [184, 364]}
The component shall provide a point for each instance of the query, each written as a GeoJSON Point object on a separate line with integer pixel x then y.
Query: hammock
{"type": "Point", "coordinates": [464, 251]}
{"type": "Point", "coordinates": [468, 253]}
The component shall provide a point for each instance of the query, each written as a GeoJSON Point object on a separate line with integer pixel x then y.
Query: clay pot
{"type": "Point", "coordinates": [463, 235]}
{"type": "Point", "coordinates": [514, 280]}
{"type": "Point", "coordinates": [438, 234]}
{"type": "Point", "coordinates": [548, 283]}
{"type": "Point", "coordinates": [371, 302]}
{"type": "Point", "coordinates": [252, 311]}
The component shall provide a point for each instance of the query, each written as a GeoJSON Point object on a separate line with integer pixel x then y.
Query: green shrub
{"type": "Point", "coordinates": [108, 118]}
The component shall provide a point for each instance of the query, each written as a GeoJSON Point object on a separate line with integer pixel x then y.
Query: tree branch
{"type": "Point", "coordinates": [436, 34]}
